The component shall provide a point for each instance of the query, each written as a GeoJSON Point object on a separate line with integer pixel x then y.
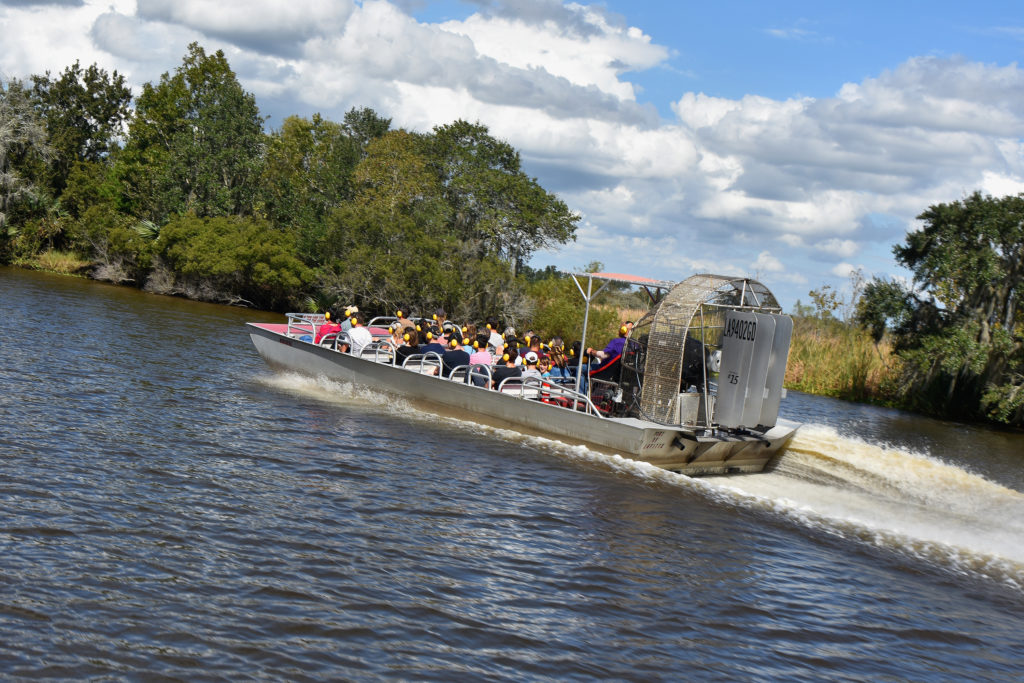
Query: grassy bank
{"type": "Point", "coordinates": [54, 261]}
{"type": "Point", "coordinates": [829, 358]}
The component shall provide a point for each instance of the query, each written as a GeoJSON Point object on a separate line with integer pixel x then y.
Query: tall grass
{"type": "Point", "coordinates": [54, 261]}
{"type": "Point", "coordinates": [830, 358]}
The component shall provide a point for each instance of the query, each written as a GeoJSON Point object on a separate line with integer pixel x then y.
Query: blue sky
{"type": "Point", "coordinates": [792, 141]}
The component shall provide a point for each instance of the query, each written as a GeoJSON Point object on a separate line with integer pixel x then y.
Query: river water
{"type": "Point", "coordinates": [173, 509]}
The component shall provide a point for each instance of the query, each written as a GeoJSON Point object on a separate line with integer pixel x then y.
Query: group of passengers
{"type": "Point", "coordinates": [474, 346]}
{"type": "Point", "coordinates": [351, 331]}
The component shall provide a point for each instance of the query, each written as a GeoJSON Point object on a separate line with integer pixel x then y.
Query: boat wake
{"type": "Point", "coordinates": [889, 498]}
{"type": "Point", "coordinates": [894, 499]}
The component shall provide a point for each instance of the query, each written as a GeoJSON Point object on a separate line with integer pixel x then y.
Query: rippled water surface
{"type": "Point", "coordinates": [174, 509]}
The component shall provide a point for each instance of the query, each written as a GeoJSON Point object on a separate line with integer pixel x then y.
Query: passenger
{"type": "Point", "coordinates": [330, 326]}
{"type": "Point", "coordinates": [395, 330]}
{"type": "Point", "coordinates": [410, 345]}
{"type": "Point", "coordinates": [344, 343]}
{"type": "Point", "coordinates": [468, 335]}
{"type": "Point", "coordinates": [434, 342]}
{"type": "Point", "coordinates": [359, 335]}
{"type": "Point", "coordinates": [440, 318]}
{"type": "Point", "coordinates": [531, 361]}
{"type": "Point", "coordinates": [495, 342]}
{"type": "Point", "coordinates": [532, 343]}
{"type": "Point", "coordinates": [506, 368]}
{"type": "Point", "coordinates": [402, 319]}
{"type": "Point", "coordinates": [536, 346]}
{"type": "Point", "coordinates": [350, 311]}
{"type": "Point", "coordinates": [558, 366]}
{"type": "Point", "coordinates": [481, 354]}
{"type": "Point", "coordinates": [454, 357]}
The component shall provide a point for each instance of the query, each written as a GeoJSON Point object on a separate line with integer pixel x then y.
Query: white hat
{"type": "Point", "coordinates": [531, 358]}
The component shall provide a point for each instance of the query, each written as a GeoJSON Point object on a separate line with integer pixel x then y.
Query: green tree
{"type": "Point", "coordinates": [386, 245]}
{"type": "Point", "coordinates": [496, 206]}
{"type": "Point", "coordinates": [962, 338]}
{"type": "Point", "coordinates": [84, 111]}
{"type": "Point", "coordinates": [23, 155]}
{"type": "Point", "coordinates": [195, 143]}
{"type": "Point", "coordinates": [229, 260]}
{"type": "Point", "coordinates": [307, 173]}
{"type": "Point", "coordinates": [559, 308]}
{"type": "Point", "coordinates": [364, 125]}
{"type": "Point", "coordinates": [826, 301]}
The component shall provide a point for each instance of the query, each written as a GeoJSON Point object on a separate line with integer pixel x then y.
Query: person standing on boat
{"type": "Point", "coordinates": [359, 335]}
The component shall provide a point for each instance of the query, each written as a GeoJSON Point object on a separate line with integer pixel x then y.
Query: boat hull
{"type": "Point", "coordinates": [666, 447]}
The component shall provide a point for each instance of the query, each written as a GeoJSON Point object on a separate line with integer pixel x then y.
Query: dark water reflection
{"type": "Point", "coordinates": [172, 509]}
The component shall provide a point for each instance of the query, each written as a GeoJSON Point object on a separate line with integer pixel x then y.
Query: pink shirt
{"type": "Point", "coordinates": [483, 357]}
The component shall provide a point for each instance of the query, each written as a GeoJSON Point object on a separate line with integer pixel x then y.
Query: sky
{"type": "Point", "coordinates": [791, 141]}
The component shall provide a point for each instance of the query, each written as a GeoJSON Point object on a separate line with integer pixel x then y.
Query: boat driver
{"type": "Point", "coordinates": [614, 348]}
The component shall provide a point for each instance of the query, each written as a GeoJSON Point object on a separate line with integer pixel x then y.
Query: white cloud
{"type": "Point", "coordinates": [838, 247]}
{"type": "Point", "coordinates": [843, 270]}
{"type": "Point", "coordinates": [768, 263]}
{"type": "Point", "coordinates": [260, 24]}
{"type": "Point", "coordinates": [596, 58]}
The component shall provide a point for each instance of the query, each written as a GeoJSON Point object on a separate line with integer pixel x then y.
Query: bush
{"type": "Point", "coordinates": [228, 260]}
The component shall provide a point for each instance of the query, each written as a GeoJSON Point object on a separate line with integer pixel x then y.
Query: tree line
{"type": "Point", "coordinates": [180, 190]}
{"type": "Point", "coordinates": [950, 342]}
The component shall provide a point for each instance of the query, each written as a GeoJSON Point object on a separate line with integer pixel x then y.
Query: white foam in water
{"type": "Point", "coordinates": [890, 498]}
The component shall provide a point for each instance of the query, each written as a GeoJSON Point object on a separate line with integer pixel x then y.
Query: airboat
{"type": "Point", "coordinates": [696, 390]}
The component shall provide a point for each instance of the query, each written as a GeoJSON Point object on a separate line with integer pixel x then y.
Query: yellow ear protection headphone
{"type": "Point", "coordinates": [327, 315]}
{"type": "Point", "coordinates": [464, 328]}
{"type": "Point", "coordinates": [505, 358]}
{"type": "Point", "coordinates": [430, 336]}
{"type": "Point", "coordinates": [623, 329]}
{"type": "Point", "coordinates": [406, 336]}
{"type": "Point", "coordinates": [435, 316]}
{"type": "Point", "coordinates": [488, 326]}
{"type": "Point", "coordinates": [476, 345]}
{"type": "Point", "coordinates": [455, 343]}
{"type": "Point", "coordinates": [398, 314]}
{"type": "Point", "coordinates": [465, 341]}
{"type": "Point", "coordinates": [419, 329]}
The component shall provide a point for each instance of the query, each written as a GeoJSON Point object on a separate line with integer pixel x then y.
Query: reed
{"type": "Point", "coordinates": [830, 358]}
{"type": "Point", "coordinates": [54, 261]}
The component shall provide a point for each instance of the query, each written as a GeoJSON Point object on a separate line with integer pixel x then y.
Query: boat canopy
{"type": "Point", "coordinates": [678, 335]}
